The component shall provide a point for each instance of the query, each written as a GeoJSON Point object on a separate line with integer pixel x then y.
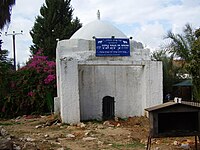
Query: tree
{"type": "Point", "coordinates": [0, 42]}
{"type": "Point", "coordinates": [5, 69]}
{"type": "Point", "coordinates": [194, 66]}
{"type": "Point", "coordinates": [187, 47]}
{"type": "Point", "coordinates": [5, 12]}
{"type": "Point", "coordinates": [31, 89]}
{"type": "Point", "coordinates": [181, 45]}
{"type": "Point", "coordinates": [55, 22]}
{"type": "Point", "coordinates": [170, 70]}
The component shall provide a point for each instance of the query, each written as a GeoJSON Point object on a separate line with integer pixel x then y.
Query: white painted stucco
{"type": "Point", "coordinates": [135, 82]}
{"type": "Point", "coordinates": [83, 79]}
{"type": "Point", "coordinates": [121, 82]}
{"type": "Point", "coordinates": [69, 92]}
{"type": "Point", "coordinates": [92, 29]}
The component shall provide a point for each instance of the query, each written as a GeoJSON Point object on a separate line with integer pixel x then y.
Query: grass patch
{"type": "Point", "coordinates": [8, 123]}
{"type": "Point", "coordinates": [135, 144]}
{"type": "Point", "coordinates": [128, 145]}
{"type": "Point", "coordinates": [118, 146]}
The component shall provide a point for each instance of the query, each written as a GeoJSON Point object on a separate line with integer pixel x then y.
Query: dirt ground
{"type": "Point", "coordinates": [47, 133]}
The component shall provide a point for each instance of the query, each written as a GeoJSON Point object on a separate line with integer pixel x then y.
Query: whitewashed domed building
{"type": "Point", "coordinates": [92, 87]}
{"type": "Point", "coordinates": [98, 28]}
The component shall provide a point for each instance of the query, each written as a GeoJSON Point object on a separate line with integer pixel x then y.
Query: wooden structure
{"type": "Point", "coordinates": [173, 120]}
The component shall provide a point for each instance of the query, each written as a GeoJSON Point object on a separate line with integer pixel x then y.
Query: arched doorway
{"type": "Point", "coordinates": [108, 108]}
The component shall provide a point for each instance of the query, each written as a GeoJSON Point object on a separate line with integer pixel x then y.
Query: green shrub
{"type": "Point", "coordinates": [31, 88]}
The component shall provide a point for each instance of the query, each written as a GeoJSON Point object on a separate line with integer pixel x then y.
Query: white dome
{"type": "Point", "coordinates": [99, 29]}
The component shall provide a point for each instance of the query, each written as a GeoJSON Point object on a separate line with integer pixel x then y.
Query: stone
{"type": "Point", "coordinates": [87, 133]}
{"type": "Point", "coordinates": [81, 125]}
{"type": "Point", "coordinates": [175, 143]}
{"type": "Point", "coordinates": [46, 135]}
{"type": "Point", "coordinates": [3, 132]}
{"type": "Point", "coordinates": [61, 127]}
{"type": "Point", "coordinates": [89, 139]}
{"type": "Point", "coordinates": [19, 117]}
{"type": "Point", "coordinates": [6, 144]}
{"type": "Point", "coordinates": [9, 138]}
{"type": "Point", "coordinates": [38, 126]}
{"type": "Point", "coordinates": [107, 123]}
{"type": "Point", "coordinates": [118, 125]}
{"type": "Point", "coordinates": [72, 124]}
{"type": "Point", "coordinates": [157, 142]}
{"type": "Point", "coordinates": [100, 143]}
{"type": "Point", "coordinates": [70, 136]}
{"type": "Point", "coordinates": [28, 139]}
{"type": "Point", "coordinates": [185, 146]}
{"type": "Point", "coordinates": [100, 127]}
{"type": "Point", "coordinates": [190, 141]}
{"type": "Point", "coordinates": [61, 148]}
{"type": "Point", "coordinates": [17, 148]}
{"type": "Point", "coordinates": [116, 119]}
{"type": "Point", "coordinates": [30, 146]}
{"type": "Point", "coordinates": [59, 124]}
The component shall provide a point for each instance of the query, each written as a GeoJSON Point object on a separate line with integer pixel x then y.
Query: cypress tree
{"type": "Point", "coordinates": [55, 22]}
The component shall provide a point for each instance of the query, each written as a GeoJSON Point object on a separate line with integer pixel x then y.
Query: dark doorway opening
{"type": "Point", "coordinates": [108, 108]}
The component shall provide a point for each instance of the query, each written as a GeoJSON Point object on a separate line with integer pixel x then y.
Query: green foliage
{"type": "Point", "coordinates": [159, 55]}
{"type": "Point", "coordinates": [9, 124]}
{"type": "Point", "coordinates": [194, 66]}
{"type": "Point", "coordinates": [5, 69]}
{"type": "Point", "coordinates": [134, 144]}
{"type": "Point", "coordinates": [197, 33]}
{"type": "Point", "coordinates": [5, 12]}
{"type": "Point", "coordinates": [180, 45]}
{"type": "Point", "coordinates": [55, 22]}
{"type": "Point", "coordinates": [31, 88]}
{"type": "Point", "coordinates": [187, 47]}
{"type": "Point", "coordinates": [170, 70]}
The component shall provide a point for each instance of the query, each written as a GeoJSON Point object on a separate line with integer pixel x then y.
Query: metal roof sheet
{"type": "Point", "coordinates": [160, 106]}
{"type": "Point", "coordinates": [184, 83]}
{"type": "Point", "coordinates": [192, 104]}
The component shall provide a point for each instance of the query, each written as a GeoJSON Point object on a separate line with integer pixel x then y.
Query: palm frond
{"type": "Point", "coordinates": [189, 35]}
{"type": "Point", "coordinates": [5, 12]}
{"type": "Point", "coordinates": [181, 44]}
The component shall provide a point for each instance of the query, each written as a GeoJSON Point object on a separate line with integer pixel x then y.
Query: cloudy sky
{"type": "Point", "coordinates": [146, 21]}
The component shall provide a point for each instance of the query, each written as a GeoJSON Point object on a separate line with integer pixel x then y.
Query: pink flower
{"type": "Point", "coordinates": [3, 109]}
{"type": "Point", "coordinates": [51, 64]}
{"type": "Point", "coordinates": [30, 94]}
{"type": "Point", "coordinates": [39, 52]}
{"type": "Point", "coordinates": [49, 79]}
{"type": "Point", "coordinates": [12, 84]}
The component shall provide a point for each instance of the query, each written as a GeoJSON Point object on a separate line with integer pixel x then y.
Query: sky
{"type": "Point", "coordinates": [147, 21]}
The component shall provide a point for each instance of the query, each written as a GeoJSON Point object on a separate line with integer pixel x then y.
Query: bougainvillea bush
{"type": "Point", "coordinates": [32, 88]}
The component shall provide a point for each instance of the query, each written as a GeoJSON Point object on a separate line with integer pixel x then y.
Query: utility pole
{"type": "Point", "coordinates": [13, 35]}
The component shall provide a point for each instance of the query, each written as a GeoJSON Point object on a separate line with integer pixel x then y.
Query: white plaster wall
{"type": "Point", "coordinates": [154, 83]}
{"type": "Point", "coordinates": [83, 80]}
{"type": "Point", "coordinates": [76, 47]}
{"type": "Point", "coordinates": [121, 82]}
{"type": "Point", "coordinates": [69, 91]}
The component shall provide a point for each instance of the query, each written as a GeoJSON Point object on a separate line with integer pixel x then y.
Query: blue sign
{"type": "Point", "coordinates": [112, 47]}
